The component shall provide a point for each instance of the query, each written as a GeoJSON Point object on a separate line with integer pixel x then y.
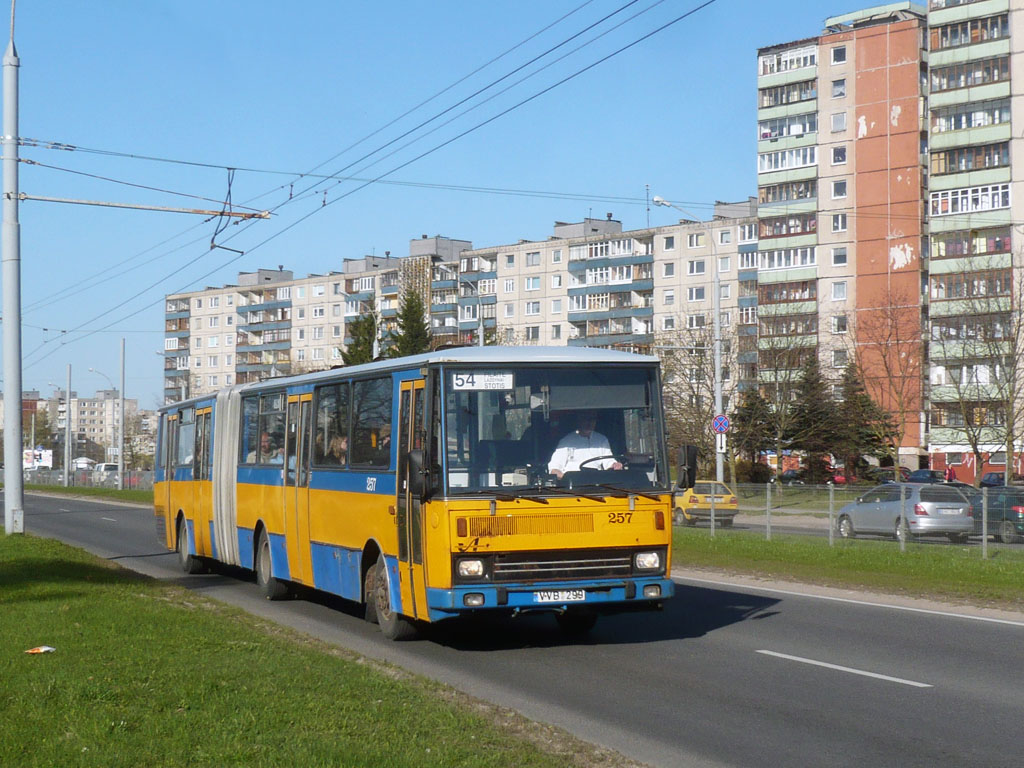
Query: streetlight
{"type": "Point", "coordinates": [716, 310]}
{"type": "Point", "coordinates": [120, 423]}
{"type": "Point", "coordinates": [479, 311]}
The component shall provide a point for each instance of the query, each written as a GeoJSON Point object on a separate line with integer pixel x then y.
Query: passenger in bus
{"type": "Point", "coordinates": [581, 445]}
{"type": "Point", "coordinates": [264, 449]}
{"type": "Point", "coordinates": [338, 451]}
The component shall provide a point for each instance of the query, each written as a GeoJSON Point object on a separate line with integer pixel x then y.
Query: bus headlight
{"type": "Point", "coordinates": [471, 569]}
{"type": "Point", "coordinates": [647, 561]}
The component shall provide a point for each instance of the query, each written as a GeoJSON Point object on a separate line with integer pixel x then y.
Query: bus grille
{"type": "Point", "coordinates": [527, 524]}
{"type": "Point", "coordinates": [576, 564]}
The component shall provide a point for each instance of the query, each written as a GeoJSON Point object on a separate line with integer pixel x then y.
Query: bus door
{"type": "Point", "coordinates": [169, 445]}
{"type": "Point", "coordinates": [296, 487]}
{"type": "Point", "coordinates": [202, 488]}
{"type": "Point", "coordinates": [409, 517]}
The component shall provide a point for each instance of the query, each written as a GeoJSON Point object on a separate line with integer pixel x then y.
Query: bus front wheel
{"type": "Point", "coordinates": [392, 625]}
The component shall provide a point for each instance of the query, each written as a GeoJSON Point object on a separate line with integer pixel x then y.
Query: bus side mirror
{"type": "Point", "coordinates": [686, 472]}
{"type": "Point", "coordinates": [418, 485]}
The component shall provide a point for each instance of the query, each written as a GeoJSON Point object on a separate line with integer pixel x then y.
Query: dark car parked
{"type": "Point", "coordinates": [1005, 513]}
{"type": "Point", "coordinates": [791, 477]}
{"type": "Point", "coordinates": [926, 476]}
{"type": "Point", "coordinates": [884, 474]}
{"type": "Point", "coordinates": [993, 479]}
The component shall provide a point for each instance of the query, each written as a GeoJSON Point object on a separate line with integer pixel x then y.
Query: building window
{"type": "Point", "coordinates": [695, 321]}
{"type": "Point", "coordinates": [970, 73]}
{"type": "Point", "coordinates": [695, 293]}
{"type": "Point", "coordinates": [838, 122]}
{"type": "Point", "coordinates": [695, 240]}
{"type": "Point", "coordinates": [839, 358]}
{"type": "Point", "coordinates": [533, 259]}
{"type": "Point", "coordinates": [839, 189]}
{"type": "Point", "coordinates": [838, 257]}
{"type": "Point", "coordinates": [839, 88]}
{"type": "Point", "coordinates": [556, 256]}
{"type": "Point", "coordinates": [510, 260]}
{"type": "Point", "coordinates": [531, 284]}
{"type": "Point", "coordinates": [839, 222]}
{"type": "Point", "coordinates": [839, 155]}
{"type": "Point", "coordinates": [725, 237]}
{"type": "Point", "coordinates": [695, 267]}
{"type": "Point", "coordinates": [533, 333]}
{"type": "Point", "coordinates": [839, 290]}
{"type": "Point", "coordinates": [839, 54]}
{"type": "Point", "coordinates": [533, 308]}
{"type": "Point", "coordinates": [668, 269]}
{"type": "Point", "coordinates": [318, 332]}
{"type": "Point", "coordinates": [319, 311]}
{"type": "Point", "coordinates": [670, 243]}
{"type": "Point", "coordinates": [510, 285]}
{"type": "Point", "coordinates": [556, 306]}
{"type": "Point", "coordinates": [970, 199]}
{"type": "Point", "coordinates": [670, 297]}
{"type": "Point", "coordinates": [212, 342]}
{"type": "Point", "coordinates": [668, 323]}
{"type": "Point", "coordinates": [724, 264]}
{"type": "Point", "coordinates": [725, 291]}
{"type": "Point", "coordinates": [556, 281]}
{"type": "Point", "coordinates": [510, 310]}
{"type": "Point", "coordinates": [556, 332]}
{"type": "Point", "coordinates": [783, 159]}
{"type": "Point", "coordinates": [199, 303]}
{"type": "Point", "coordinates": [839, 324]}
{"type": "Point", "coordinates": [302, 313]}
{"type": "Point", "coordinates": [748, 233]}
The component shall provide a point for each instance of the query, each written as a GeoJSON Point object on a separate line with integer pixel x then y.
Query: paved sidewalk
{"type": "Point", "coordinates": [784, 518]}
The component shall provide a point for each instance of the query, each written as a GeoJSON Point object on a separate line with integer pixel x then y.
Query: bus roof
{"type": "Point", "coordinates": [488, 355]}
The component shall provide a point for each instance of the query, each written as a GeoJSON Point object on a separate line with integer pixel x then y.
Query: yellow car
{"type": "Point", "coordinates": [695, 504]}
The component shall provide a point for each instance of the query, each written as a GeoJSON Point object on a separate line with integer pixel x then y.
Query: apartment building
{"type": "Point", "coordinates": [886, 179]}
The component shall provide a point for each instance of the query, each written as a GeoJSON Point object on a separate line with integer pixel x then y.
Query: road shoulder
{"type": "Point", "coordinates": [712, 577]}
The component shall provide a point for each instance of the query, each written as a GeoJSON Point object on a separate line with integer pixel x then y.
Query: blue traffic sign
{"type": "Point", "coordinates": [720, 424]}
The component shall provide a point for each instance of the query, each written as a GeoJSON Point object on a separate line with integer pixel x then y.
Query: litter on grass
{"type": "Point", "coordinates": [41, 649]}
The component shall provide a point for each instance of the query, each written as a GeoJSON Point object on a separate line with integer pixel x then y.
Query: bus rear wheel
{"type": "Point", "coordinates": [392, 625]}
{"type": "Point", "coordinates": [189, 563]}
{"type": "Point", "coordinates": [272, 589]}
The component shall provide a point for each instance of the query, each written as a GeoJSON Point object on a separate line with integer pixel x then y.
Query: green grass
{"type": "Point", "coordinates": [127, 495]}
{"type": "Point", "coordinates": [151, 674]}
{"type": "Point", "coordinates": [943, 572]}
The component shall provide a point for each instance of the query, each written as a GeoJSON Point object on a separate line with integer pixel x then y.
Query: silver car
{"type": "Point", "coordinates": [931, 510]}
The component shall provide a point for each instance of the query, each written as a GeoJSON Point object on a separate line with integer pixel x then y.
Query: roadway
{"type": "Point", "coordinates": [728, 675]}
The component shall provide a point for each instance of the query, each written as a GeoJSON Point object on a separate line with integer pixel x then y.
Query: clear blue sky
{"type": "Point", "coordinates": [286, 87]}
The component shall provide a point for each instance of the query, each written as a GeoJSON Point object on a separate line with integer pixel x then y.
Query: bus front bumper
{"type": "Point", "coordinates": [611, 596]}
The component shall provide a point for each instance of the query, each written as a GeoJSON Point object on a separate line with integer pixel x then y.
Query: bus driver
{"type": "Point", "coordinates": [580, 446]}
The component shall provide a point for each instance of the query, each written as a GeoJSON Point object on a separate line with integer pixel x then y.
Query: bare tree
{"type": "Point", "coordinates": [889, 354]}
{"type": "Point", "coordinates": [977, 340]}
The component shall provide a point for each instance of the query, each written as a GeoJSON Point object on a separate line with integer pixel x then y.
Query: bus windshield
{"type": "Point", "coordinates": [520, 426]}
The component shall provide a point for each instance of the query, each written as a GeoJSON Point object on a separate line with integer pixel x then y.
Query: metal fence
{"type": "Point", "coordinates": [87, 478]}
{"type": "Point", "coordinates": [816, 510]}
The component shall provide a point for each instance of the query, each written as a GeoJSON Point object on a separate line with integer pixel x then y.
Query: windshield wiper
{"type": "Point", "coordinates": [634, 492]}
{"type": "Point", "coordinates": [568, 492]}
{"type": "Point", "coordinates": [498, 495]}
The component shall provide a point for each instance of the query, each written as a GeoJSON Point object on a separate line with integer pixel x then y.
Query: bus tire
{"type": "Point", "coordinates": [189, 563]}
{"type": "Point", "coordinates": [370, 594]}
{"type": "Point", "coordinates": [392, 625]}
{"type": "Point", "coordinates": [272, 589]}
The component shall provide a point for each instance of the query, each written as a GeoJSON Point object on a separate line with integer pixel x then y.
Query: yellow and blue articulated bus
{"type": "Point", "coordinates": [477, 479]}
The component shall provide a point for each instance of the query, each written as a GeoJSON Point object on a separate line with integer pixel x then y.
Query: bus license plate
{"type": "Point", "coordinates": [560, 596]}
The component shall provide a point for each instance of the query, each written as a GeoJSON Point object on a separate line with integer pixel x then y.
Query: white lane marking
{"type": "Point", "coordinates": [112, 520]}
{"type": "Point", "coordinates": [911, 609]}
{"type": "Point", "coordinates": [851, 670]}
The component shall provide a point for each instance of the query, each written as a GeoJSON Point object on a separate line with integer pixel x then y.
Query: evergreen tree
{"type": "Point", "coordinates": [751, 430]}
{"type": "Point", "coordinates": [413, 334]}
{"type": "Point", "coordinates": [363, 332]}
{"type": "Point", "coordinates": [862, 427]}
{"type": "Point", "coordinates": [813, 427]}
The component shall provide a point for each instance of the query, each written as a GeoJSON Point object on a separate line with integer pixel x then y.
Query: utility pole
{"type": "Point", "coordinates": [67, 431]}
{"type": "Point", "coordinates": [10, 242]}
{"type": "Point", "coordinates": [120, 427]}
